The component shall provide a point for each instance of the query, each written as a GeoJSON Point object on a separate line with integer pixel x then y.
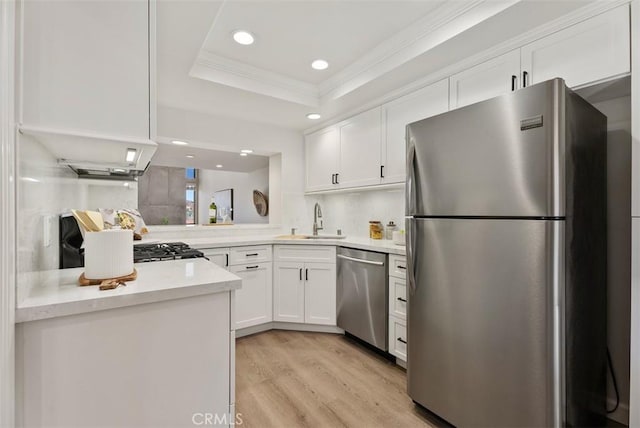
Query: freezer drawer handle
{"type": "Point", "coordinates": [252, 254]}
{"type": "Point", "coordinates": [353, 259]}
{"type": "Point", "coordinates": [253, 267]}
{"type": "Point", "coordinates": [401, 340]}
{"type": "Point", "coordinates": [402, 300]}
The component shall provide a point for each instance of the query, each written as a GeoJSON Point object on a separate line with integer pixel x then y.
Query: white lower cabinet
{"type": "Point", "coordinates": [398, 338]}
{"type": "Point", "coordinates": [304, 292]}
{"type": "Point", "coordinates": [219, 256]}
{"type": "Point", "coordinates": [254, 300]}
{"type": "Point", "coordinates": [320, 293]}
{"type": "Point", "coordinates": [398, 307]}
{"type": "Point", "coordinates": [397, 297]}
{"type": "Point", "coordinates": [288, 292]}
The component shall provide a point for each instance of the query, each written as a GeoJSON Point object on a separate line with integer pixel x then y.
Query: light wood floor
{"type": "Point", "coordinates": [298, 379]}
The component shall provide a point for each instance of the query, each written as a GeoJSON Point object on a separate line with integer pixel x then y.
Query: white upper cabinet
{"type": "Point", "coordinates": [423, 103]}
{"type": "Point", "coordinates": [489, 79]}
{"type": "Point", "coordinates": [369, 148]}
{"type": "Point", "coordinates": [85, 66]}
{"type": "Point", "coordinates": [593, 50]}
{"type": "Point", "coordinates": [360, 138]}
{"type": "Point", "coordinates": [322, 149]}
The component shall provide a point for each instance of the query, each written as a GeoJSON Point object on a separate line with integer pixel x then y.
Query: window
{"type": "Point", "coordinates": [191, 195]}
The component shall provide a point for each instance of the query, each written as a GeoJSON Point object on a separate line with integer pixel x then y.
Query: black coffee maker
{"type": "Point", "coordinates": [71, 255]}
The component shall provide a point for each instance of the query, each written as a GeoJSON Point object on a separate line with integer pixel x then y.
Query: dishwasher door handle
{"type": "Point", "coordinates": [353, 259]}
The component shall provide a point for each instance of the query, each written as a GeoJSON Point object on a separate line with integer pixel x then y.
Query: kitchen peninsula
{"type": "Point", "coordinates": [166, 341]}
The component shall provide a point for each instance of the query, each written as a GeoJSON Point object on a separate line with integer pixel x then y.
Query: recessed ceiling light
{"type": "Point", "coordinates": [218, 166]}
{"type": "Point", "coordinates": [179, 143]}
{"type": "Point", "coordinates": [313, 116]}
{"type": "Point", "coordinates": [243, 37]}
{"type": "Point", "coordinates": [190, 156]}
{"type": "Point", "coordinates": [244, 154]}
{"type": "Point", "coordinates": [319, 64]}
{"type": "Point", "coordinates": [246, 151]}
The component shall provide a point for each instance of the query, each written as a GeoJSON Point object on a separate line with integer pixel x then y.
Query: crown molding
{"type": "Point", "coordinates": [586, 12]}
{"type": "Point", "coordinates": [237, 74]}
{"type": "Point", "coordinates": [449, 20]}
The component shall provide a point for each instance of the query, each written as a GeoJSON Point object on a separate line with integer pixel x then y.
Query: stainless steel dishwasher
{"type": "Point", "coordinates": [362, 295]}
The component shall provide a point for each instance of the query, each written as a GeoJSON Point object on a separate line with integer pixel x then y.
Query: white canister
{"type": "Point", "coordinates": [108, 254]}
{"type": "Point", "coordinates": [398, 237]}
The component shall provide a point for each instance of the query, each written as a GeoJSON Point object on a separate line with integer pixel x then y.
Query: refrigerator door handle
{"type": "Point", "coordinates": [411, 278]}
{"type": "Point", "coordinates": [411, 180]}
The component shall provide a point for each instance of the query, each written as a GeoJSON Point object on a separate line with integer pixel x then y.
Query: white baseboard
{"type": "Point", "coordinates": [288, 326]}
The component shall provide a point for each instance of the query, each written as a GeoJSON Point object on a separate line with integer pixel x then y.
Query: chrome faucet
{"type": "Point", "coordinates": [317, 214]}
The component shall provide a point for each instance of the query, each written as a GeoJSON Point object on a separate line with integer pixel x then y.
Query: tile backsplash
{"type": "Point", "coordinates": [352, 212]}
{"type": "Point", "coordinates": [45, 190]}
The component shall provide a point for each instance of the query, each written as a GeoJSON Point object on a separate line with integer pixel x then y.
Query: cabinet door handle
{"type": "Point", "coordinates": [337, 179]}
{"type": "Point", "coordinates": [525, 80]}
{"type": "Point", "coordinates": [252, 254]}
{"type": "Point", "coordinates": [306, 274]}
{"type": "Point", "coordinates": [300, 274]}
{"type": "Point", "coordinates": [514, 79]}
{"type": "Point", "coordinates": [253, 267]}
{"type": "Point", "coordinates": [381, 171]}
{"type": "Point", "coordinates": [402, 300]}
{"type": "Point", "coordinates": [401, 340]}
{"type": "Point", "coordinates": [333, 179]}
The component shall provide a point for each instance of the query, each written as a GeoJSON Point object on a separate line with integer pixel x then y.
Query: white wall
{"type": "Point", "coordinates": [203, 130]}
{"type": "Point", "coordinates": [242, 183]}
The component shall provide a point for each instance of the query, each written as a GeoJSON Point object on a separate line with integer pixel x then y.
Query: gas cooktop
{"type": "Point", "coordinates": [166, 251]}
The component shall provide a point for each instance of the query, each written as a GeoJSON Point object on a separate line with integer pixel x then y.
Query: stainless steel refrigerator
{"type": "Point", "coordinates": [506, 246]}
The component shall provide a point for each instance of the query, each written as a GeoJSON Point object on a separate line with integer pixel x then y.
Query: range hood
{"type": "Point", "coordinates": [96, 156]}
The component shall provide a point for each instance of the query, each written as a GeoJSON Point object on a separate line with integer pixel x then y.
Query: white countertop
{"type": "Point", "coordinates": [379, 245]}
{"type": "Point", "coordinates": [57, 292]}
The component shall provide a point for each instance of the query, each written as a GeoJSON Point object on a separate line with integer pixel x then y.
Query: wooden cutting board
{"type": "Point", "coordinates": [82, 281]}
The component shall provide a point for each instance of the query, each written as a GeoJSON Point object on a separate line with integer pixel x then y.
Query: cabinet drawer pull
{"type": "Point", "coordinates": [402, 300]}
{"type": "Point", "coordinates": [401, 267]}
{"type": "Point", "coordinates": [252, 254]}
{"type": "Point", "coordinates": [401, 340]}
{"type": "Point", "coordinates": [253, 267]}
{"type": "Point", "coordinates": [513, 82]}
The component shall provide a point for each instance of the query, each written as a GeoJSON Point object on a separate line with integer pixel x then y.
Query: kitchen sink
{"type": "Point", "coordinates": [325, 236]}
